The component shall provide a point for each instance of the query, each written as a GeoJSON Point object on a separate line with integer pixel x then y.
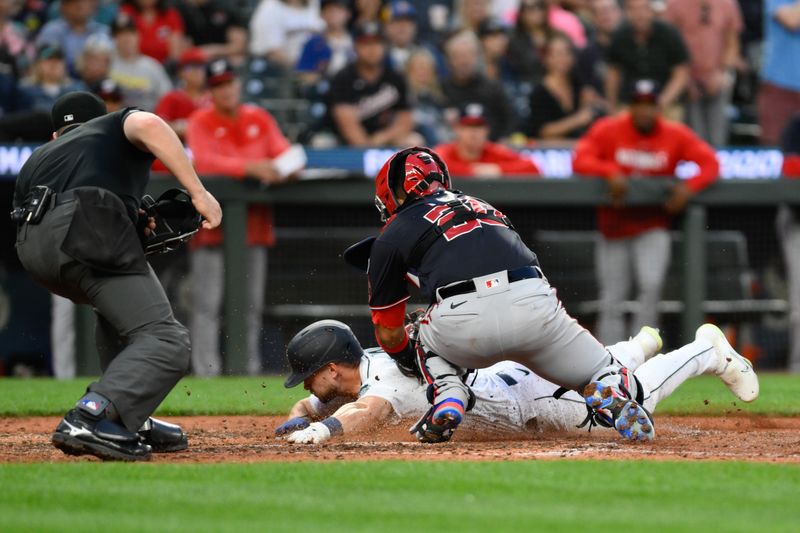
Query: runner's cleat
{"type": "Point", "coordinates": [735, 371]}
{"type": "Point", "coordinates": [650, 341]}
{"type": "Point", "coordinates": [630, 419]}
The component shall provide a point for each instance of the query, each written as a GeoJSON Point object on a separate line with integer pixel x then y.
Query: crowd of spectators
{"type": "Point", "coordinates": [470, 77]}
{"type": "Point", "coordinates": [390, 73]}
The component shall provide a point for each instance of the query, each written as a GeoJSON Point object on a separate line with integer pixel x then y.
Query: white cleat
{"type": "Point", "coordinates": [735, 371]}
{"type": "Point", "coordinates": [650, 341]}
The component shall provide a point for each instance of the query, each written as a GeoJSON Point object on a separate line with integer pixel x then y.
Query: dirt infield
{"type": "Point", "coordinates": [249, 439]}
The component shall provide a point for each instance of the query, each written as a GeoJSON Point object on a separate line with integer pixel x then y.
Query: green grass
{"type": "Point", "coordinates": [192, 396]}
{"type": "Point", "coordinates": [401, 496]}
{"type": "Point", "coordinates": [266, 395]}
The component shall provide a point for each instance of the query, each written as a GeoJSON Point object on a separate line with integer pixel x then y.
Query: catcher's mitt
{"type": "Point", "coordinates": [176, 221]}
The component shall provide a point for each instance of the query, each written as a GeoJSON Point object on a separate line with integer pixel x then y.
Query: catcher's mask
{"type": "Point", "coordinates": [176, 221]}
{"type": "Point", "coordinates": [320, 343]}
{"type": "Point", "coordinates": [416, 171]}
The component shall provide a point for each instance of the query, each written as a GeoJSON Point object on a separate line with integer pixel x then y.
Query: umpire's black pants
{"type": "Point", "coordinates": [143, 350]}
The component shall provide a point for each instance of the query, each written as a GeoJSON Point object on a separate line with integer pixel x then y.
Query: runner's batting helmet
{"type": "Point", "coordinates": [320, 343]}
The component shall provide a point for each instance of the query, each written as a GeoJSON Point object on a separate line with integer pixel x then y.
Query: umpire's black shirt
{"type": "Point", "coordinates": [95, 154]}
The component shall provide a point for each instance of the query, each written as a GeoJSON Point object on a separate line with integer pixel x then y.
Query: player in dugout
{"type": "Point", "coordinates": [634, 241]}
{"type": "Point", "coordinates": [471, 154]}
{"type": "Point", "coordinates": [353, 389]}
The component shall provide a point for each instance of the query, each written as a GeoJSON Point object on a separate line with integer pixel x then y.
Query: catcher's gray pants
{"type": "Point", "coordinates": [207, 267]}
{"type": "Point", "coordinates": [644, 258]}
{"type": "Point", "coordinates": [789, 233]}
{"type": "Point", "coordinates": [143, 350]}
{"type": "Point", "coordinates": [522, 322]}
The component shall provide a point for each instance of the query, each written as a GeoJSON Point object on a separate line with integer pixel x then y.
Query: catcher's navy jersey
{"type": "Point", "coordinates": [474, 248]}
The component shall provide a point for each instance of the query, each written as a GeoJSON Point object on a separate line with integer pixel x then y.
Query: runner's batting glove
{"type": "Point", "coordinates": [293, 424]}
{"type": "Point", "coordinates": [313, 434]}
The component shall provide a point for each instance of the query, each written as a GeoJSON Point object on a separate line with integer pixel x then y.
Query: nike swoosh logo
{"type": "Point", "coordinates": [75, 431]}
{"type": "Point", "coordinates": [453, 305]}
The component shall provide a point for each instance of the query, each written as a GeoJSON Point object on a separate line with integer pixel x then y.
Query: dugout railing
{"type": "Point", "coordinates": [518, 196]}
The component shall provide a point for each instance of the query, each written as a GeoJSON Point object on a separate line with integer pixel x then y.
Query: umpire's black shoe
{"type": "Point", "coordinates": [79, 433]}
{"type": "Point", "coordinates": [163, 437]}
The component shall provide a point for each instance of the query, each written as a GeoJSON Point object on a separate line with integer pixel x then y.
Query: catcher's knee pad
{"type": "Point", "coordinates": [445, 380]}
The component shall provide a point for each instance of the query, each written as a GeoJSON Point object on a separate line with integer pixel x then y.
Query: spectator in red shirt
{"type": "Point", "coordinates": [788, 225]}
{"type": "Point", "coordinates": [638, 143]}
{"type": "Point", "coordinates": [160, 28]}
{"type": "Point", "coordinates": [176, 106]}
{"type": "Point", "coordinates": [238, 141]}
{"type": "Point", "coordinates": [473, 155]}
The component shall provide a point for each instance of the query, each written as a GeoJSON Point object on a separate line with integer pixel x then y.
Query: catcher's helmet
{"type": "Point", "coordinates": [320, 343]}
{"type": "Point", "coordinates": [417, 171]}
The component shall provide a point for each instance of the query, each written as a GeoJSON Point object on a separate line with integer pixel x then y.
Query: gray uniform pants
{"type": "Point", "coordinates": [522, 322]}
{"type": "Point", "coordinates": [143, 350]}
{"type": "Point", "coordinates": [644, 258]}
{"type": "Point", "coordinates": [789, 234]}
{"type": "Point", "coordinates": [207, 268]}
{"type": "Point", "coordinates": [62, 337]}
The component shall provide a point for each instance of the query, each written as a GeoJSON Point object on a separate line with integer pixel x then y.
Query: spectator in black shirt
{"type": "Point", "coordinates": [592, 64]}
{"type": "Point", "coordinates": [466, 83]}
{"type": "Point", "coordinates": [527, 41]}
{"type": "Point", "coordinates": [494, 42]}
{"type": "Point", "coordinates": [369, 102]}
{"type": "Point", "coordinates": [562, 106]}
{"type": "Point", "coordinates": [646, 48]}
{"type": "Point", "coordinates": [215, 27]}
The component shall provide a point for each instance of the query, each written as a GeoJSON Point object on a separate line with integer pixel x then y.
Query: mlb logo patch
{"type": "Point", "coordinates": [491, 283]}
{"type": "Point", "coordinates": [91, 404]}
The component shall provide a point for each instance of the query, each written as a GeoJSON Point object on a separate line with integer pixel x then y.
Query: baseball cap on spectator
{"type": "Point", "coordinates": [472, 114]}
{"type": "Point", "coordinates": [491, 26]}
{"type": "Point", "coordinates": [401, 10]}
{"type": "Point", "coordinates": [192, 56]}
{"type": "Point", "coordinates": [123, 22]}
{"type": "Point", "coordinates": [49, 51]}
{"type": "Point", "coordinates": [108, 90]}
{"type": "Point", "coordinates": [76, 107]}
{"type": "Point", "coordinates": [368, 32]}
{"type": "Point", "coordinates": [218, 72]}
{"type": "Point", "coordinates": [644, 91]}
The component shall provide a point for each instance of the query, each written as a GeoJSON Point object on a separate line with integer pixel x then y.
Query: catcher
{"type": "Point", "coordinates": [82, 234]}
{"type": "Point", "coordinates": [355, 389]}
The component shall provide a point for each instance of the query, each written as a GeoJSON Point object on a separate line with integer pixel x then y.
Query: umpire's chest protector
{"type": "Point", "coordinates": [101, 234]}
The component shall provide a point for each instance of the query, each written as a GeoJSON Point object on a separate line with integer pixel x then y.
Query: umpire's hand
{"type": "Point", "coordinates": [208, 207]}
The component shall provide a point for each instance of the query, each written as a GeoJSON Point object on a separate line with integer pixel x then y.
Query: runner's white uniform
{"type": "Point", "coordinates": [510, 397]}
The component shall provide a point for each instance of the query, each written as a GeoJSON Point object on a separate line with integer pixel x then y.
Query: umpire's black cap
{"type": "Point", "coordinates": [75, 108]}
{"type": "Point", "coordinates": [323, 342]}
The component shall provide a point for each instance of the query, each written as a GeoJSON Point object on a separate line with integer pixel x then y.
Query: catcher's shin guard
{"type": "Point", "coordinates": [614, 398]}
{"type": "Point", "coordinates": [449, 396]}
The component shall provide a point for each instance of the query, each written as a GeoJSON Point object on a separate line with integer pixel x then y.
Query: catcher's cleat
{"type": "Point", "coordinates": [735, 371]}
{"type": "Point", "coordinates": [650, 340]}
{"type": "Point", "coordinates": [439, 423]}
{"type": "Point", "coordinates": [630, 419]}
{"type": "Point", "coordinates": [79, 433]}
{"type": "Point", "coordinates": [163, 437]}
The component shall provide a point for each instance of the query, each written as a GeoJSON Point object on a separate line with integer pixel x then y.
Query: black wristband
{"type": "Point", "coordinates": [333, 424]}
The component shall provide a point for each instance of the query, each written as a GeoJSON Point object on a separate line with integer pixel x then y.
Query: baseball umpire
{"type": "Point", "coordinates": [489, 301]}
{"type": "Point", "coordinates": [77, 206]}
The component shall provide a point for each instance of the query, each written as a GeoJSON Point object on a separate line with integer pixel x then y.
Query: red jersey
{"type": "Point", "coordinates": [154, 35]}
{"type": "Point", "coordinates": [614, 146]}
{"type": "Point", "coordinates": [509, 161]}
{"type": "Point", "coordinates": [177, 105]}
{"type": "Point", "coordinates": [791, 166]}
{"type": "Point", "coordinates": [223, 145]}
